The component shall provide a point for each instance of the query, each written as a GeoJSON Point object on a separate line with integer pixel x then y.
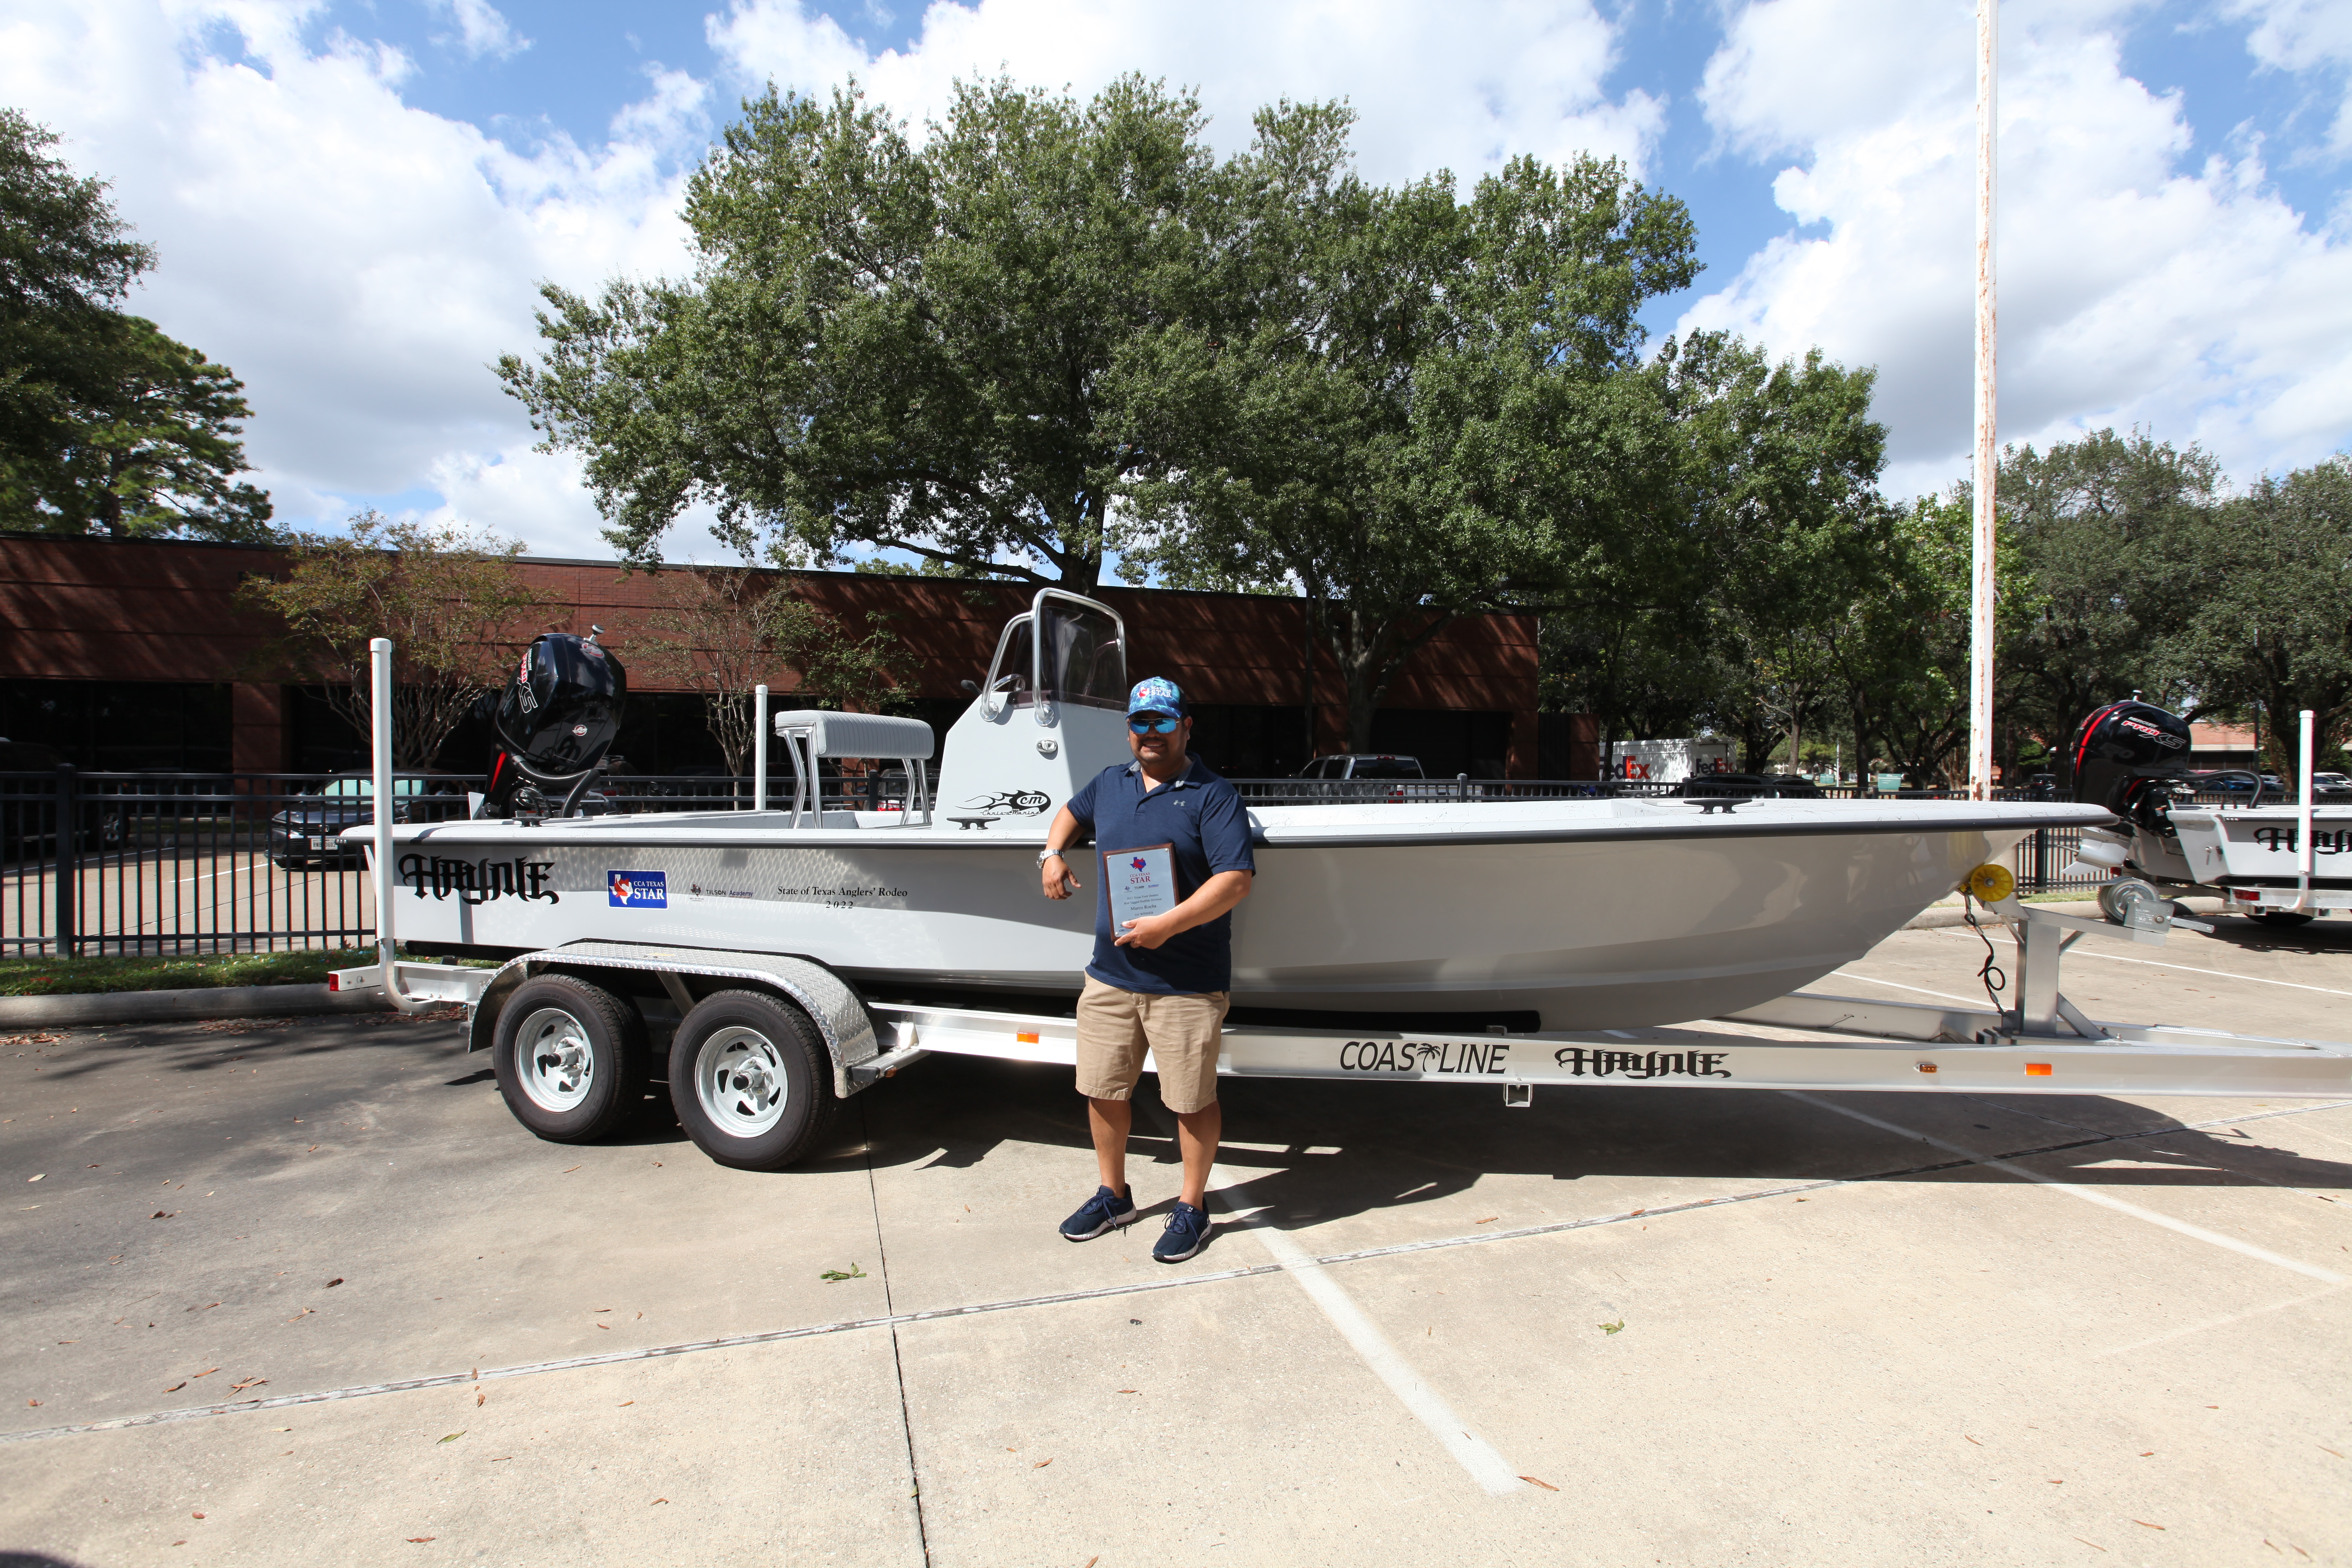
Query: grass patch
{"type": "Point", "coordinates": [81, 976]}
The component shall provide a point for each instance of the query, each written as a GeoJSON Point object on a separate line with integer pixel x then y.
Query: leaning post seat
{"type": "Point", "coordinates": [809, 733]}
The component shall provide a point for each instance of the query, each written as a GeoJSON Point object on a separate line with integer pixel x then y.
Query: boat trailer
{"type": "Point", "coordinates": [777, 1042]}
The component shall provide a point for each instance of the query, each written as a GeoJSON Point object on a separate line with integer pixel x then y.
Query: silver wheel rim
{"type": "Point", "coordinates": [739, 1081]}
{"type": "Point", "coordinates": [554, 1063]}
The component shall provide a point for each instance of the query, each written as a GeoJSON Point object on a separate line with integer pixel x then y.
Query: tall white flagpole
{"type": "Point", "coordinates": [1981, 603]}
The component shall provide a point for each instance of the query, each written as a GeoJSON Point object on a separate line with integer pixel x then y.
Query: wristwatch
{"type": "Point", "coordinates": [1046, 855]}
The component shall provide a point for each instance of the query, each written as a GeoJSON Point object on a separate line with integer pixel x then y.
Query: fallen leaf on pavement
{"type": "Point", "coordinates": [1972, 1439]}
{"type": "Point", "coordinates": [34, 1403]}
{"type": "Point", "coordinates": [195, 1516]}
{"type": "Point", "coordinates": [176, 1388]}
{"type": "Point", "coordinates": [1041, 1464]}
{"type": "Point", "coordinates": [2091, 1544]}
{"type": "Point", "coordinates": [567, 1170]}
{"type": "Point", "coordinates": [249, 1383]}
{"type": "Point", "coordinates": [330, 1285]}
{"type": "Point", "coordinates": [481, 1399]}
{"type": "Point", "coordinates": [658, 1499]}
{"type": "Point", "coordinates": [206, 1373]}
{"type": "Point", "coordinates": [2150, 1526]}
{"type": "Point", "coordinates": [834, 1276]}
{"type": "Point", "coordinates": [1546, 1485]}
{"type": "Point", "coordinates": [39, 1177]}
{"type": "Point", "coordinates": [452, 1436]}
{"type": "Point", "coordinates": [1490, 1219]}
{"type": "Point", "coordinates": [625, 1403]}
{"type": "Point", "coordinates": [607, 1327]}
{"type": "Point", "coordinates": [1127, 1391]}
{"type": "Point", "coordinates": [159, 1214]}
{"type": "Point", "coordinates": [1610, 1327]}
{"type": "Point", "coordinates": [421, 1540]}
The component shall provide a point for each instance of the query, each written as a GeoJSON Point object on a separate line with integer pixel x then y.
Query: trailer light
{"type": "Point", "coordinates": [2037, 1070]}
{"type": "Point", "coordinates": [1026, 1037]}
{"type": "Point", "coordinates": [1927, 1067]}
{"type": "Point", "coordinates": [334, 982]}
{"type": "Point", "coordinates": [2247, 894]}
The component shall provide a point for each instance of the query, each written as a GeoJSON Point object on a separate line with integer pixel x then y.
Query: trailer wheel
{"type": "Point", "coordinates": [2285, 920]}
{"type": "Point", "coordinates": [571, 1058]}
{"type": "Point", "coordinates": [750, 1081]}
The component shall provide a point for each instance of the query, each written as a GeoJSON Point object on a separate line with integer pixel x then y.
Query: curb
{"type": "Point", "coordinates": [197, 1001]}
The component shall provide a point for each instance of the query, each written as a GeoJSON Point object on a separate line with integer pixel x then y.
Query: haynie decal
{"type": "Point", "coordinates": [637, 889]}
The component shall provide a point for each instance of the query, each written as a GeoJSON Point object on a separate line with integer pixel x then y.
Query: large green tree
{"type": "Point", "coordinates": [106, 426]}
{"type": "Point", "coordinates": [889, 342]}
{"type": "Point", "coordinates": [2103, 530]}
{"type": "Point", "coordinates": [2263, 616]}
{"type": "Point", "coordinates": [1407, 407]}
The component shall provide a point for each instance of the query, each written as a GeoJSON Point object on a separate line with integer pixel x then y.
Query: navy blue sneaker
{"type": "Point", "coordinates": [1106, 1211]}
{"type": "Point", "coordinates": [1188, 1229]}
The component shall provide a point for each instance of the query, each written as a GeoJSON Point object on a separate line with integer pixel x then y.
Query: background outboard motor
{"type": "Point", "coordinates": [2121, 756]}
{"type": "Point", "coordinates": [556, 719]}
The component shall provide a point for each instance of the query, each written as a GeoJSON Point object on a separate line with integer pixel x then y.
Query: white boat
{"type": "Point", "coordinates": [1550, 914]}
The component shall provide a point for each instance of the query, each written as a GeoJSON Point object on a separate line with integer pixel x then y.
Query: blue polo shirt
{"type": "Point", "coordinates": [1200, 815]}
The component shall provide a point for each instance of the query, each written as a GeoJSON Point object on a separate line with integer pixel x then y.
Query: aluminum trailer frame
{"type": "Point", "coordinates": [2044, 1044]}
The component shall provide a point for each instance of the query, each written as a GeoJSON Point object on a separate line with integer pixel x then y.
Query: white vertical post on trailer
{"type": "Point", "coordinates": [2306, 851]}
{"type": "Point", "coordinates": [759, 748]}
{"type": "Point", "coordinates": [1980, 600]}
{"type": "Point", "coordinates": [380, 726]}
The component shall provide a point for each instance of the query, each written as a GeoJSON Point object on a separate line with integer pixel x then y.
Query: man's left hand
{"type": "Point", "coordinates": [1149, 931]}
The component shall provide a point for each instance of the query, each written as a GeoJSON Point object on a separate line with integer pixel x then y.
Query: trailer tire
{"type": "Point", "coordinates": [2285, 920]}
{"type": "Point", "coordinates": [750, 1081]}
{"type": "Point", "coordinates": [571, 1058]}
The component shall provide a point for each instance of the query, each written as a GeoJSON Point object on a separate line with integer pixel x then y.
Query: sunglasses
{"type": "Point", "coordinates": [1146, 724]}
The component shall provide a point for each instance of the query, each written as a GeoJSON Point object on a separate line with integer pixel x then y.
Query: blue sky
{"type": "Point", "coordinates": [354, 200]}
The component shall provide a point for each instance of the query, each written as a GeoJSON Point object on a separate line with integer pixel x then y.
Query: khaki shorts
{"type": "Point", "coordinates": [1116, 1027]}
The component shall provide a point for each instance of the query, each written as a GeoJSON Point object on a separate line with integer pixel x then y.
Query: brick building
{"type": "Point", "coordinates": [133, 654]}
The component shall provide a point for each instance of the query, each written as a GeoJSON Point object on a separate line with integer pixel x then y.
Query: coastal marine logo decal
{"type": "Point", "coordinates": [637, 889]}
{"type": "Point", "coordinates": [984, 809]}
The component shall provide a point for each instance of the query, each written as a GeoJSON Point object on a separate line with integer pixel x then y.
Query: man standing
{"type": "Point", "coordinates": [1160, 982]}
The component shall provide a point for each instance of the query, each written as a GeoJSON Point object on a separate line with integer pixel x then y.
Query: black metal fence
{"type": "Point", "coordinates": [170, 863]}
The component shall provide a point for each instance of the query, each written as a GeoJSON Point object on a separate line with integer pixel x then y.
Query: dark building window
{"type": "Point", "coordinates": [1449, 742]}
{"type": "Point", "coordinates": [1247, 742]}
{"type": "Point", "coordinates": [122, 726]}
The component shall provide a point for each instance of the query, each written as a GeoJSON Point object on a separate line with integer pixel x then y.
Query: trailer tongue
{"type": "Point", "coordinates": [760, 1049]}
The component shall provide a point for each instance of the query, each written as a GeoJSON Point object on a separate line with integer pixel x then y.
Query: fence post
{"type": "Point", "coordinates": [68, 932]}
{"type": "Point", "coordinates": [2041, 859]}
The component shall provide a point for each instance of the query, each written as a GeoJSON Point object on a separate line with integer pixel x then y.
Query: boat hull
{"type": "Point", "coordinates": [1588, 915]}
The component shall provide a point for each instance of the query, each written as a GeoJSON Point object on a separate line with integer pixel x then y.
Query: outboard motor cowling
{"type": "Point", "coordinates": [557, 717]}
{"type": "Point", "coordinates": [2120, 756]}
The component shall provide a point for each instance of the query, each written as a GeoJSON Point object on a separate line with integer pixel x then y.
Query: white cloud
{"type": "Point", "coordinates": [481, 30]}
{"type": "Point", "coordinates": [2134, 288]}
{"type": "Point", "coordinates": [2303, 36]}
{"type": "Point", "coordinates": [1458, 87]}
{"type": "Point", "coordinates": [357, 261]}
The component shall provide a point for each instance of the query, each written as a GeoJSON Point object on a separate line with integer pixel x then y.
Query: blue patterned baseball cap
{"type": "Point", "coordinates": [1154, 694]}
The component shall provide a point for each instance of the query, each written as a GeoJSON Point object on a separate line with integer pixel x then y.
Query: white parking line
{"type": "Point", "coordinates": [2089, 1195]}
{"type": "Point", "coordinates": [1471, 1452]}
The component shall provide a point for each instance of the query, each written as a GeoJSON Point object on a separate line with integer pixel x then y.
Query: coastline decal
{"type": "Point", "coordinates": [637, 889]}
{"type": "Point", "coordinates": [1459, 1057]}
{"type": "Point", "coordinates": [477, 881]}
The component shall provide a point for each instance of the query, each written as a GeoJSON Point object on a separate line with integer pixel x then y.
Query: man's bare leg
{"type": "Point", "coordinates": [1197, 1132]}
{"type": "Point", "coordinates": [1110, 1120]}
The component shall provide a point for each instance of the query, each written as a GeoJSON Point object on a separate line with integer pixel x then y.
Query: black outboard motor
{"type": "Point", "coordinates": [556, 719]}
{"type": "Point", "coordinates": [2121, 756]}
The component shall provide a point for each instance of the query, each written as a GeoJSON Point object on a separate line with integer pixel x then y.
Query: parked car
{"type": "Point", "coordinates": [1746, 786]}
{"type": "Point", "coordinates": [1363, 765]}
{"type": "Point", "coordinates": [2333, 788]}
{"type": "Point", "coordinates": [308, 832]}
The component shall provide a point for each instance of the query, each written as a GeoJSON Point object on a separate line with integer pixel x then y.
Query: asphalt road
{"type": "Point", "coordinates": [1863, 1361]}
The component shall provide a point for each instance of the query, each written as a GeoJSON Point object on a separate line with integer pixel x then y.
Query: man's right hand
{"type": "Point", "coordinates": [1055, 876]}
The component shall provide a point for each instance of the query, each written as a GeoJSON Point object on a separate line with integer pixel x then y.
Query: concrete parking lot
{"type": "Point", "coordinates": [1428, 1329]}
